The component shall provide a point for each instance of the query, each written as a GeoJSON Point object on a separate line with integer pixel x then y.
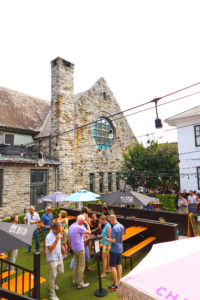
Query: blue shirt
{"type": "Point", "coordinates": [47, 220]}
{"type": "Point", "coordinates": [117, 234]}
{"type": "Point", "coordinates": [105, 234]}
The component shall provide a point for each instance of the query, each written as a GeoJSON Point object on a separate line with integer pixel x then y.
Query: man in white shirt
{"type": "Point", "coordinates": [191, 197]}
{"type": "Point", "coordinates": [33, 219]}
{"type": "Point", "coordinates": [54, 258]}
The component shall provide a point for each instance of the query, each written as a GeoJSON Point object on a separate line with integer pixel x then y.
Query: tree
{"type": "Point", "coordinates": [153, 167]}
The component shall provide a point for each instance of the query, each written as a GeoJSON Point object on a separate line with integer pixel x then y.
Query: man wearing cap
{"type": "Point", "coordinates": [46, 219]}
{"type": "Point", "coordinates": [33, 219]}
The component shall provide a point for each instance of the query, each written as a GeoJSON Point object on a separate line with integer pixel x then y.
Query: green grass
{"type": "Point", "coordinates": [66, 290]}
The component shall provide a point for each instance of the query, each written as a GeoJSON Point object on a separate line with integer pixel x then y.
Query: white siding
{"type": "Point", "coordinates": [190, 160]}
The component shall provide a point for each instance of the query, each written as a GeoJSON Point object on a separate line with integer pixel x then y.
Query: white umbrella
{"type": "Point", "coordinates": [169, 271]}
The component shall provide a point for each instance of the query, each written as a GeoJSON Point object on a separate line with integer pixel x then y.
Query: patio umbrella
{"type": "Point", "coordinates": [15, 236]}
{"type": "Point", "coordinates": [126, 197]}
{"type": "Point", "coordinates": [55, 197]}
{"type": "Point", "coordinates": [169, 271]}
{"type": "Point", "coordinates": [82, 196]}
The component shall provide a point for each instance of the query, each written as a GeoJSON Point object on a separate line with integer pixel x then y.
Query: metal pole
{"type": "Point", "coordinates": [36, 292]}
{"type": "Point", "coordinates": [128, 174]}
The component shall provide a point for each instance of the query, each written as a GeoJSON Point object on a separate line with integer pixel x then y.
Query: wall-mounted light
{"type": "Point", "coordinates": [21, 154]}
{"type": "Point", "coordinates": [57, 147]}
{"type": "Point", "coordinates": [110, 134]}
{"type": "Point", "coordinates": [40, 159]}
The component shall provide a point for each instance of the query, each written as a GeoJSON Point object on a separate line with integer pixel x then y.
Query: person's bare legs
{"type": "Point", "coordinates": [108, 264]}
{"type": "Point", "coordinates": [64, 250]}
{"type": "Point", "coordinates": [90, 247]}
{"type": "Point", "coordinates": [104, 258]}
{"type": "Point", "coordinates": [119, 269]}
{"type": "Point", "coordinates": [114, 274]}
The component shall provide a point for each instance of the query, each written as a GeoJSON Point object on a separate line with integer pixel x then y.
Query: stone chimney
{"type": "Point", "coordinates": [62, 120]}
{"type": "Point", "coordinates": [62, 96]}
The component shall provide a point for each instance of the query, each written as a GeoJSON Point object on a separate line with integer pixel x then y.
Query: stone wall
{"type": "Point", "coordinates": [79, 154]}
{"type": "Point", "coordinates": [17, 185]}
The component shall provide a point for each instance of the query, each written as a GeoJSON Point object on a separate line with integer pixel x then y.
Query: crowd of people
{"type": "Point", "coordinates": [183, 201]}
{"type": "Point", "coordinates": [79, 237]}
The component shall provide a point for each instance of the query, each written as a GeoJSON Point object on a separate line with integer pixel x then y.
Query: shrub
{"type": "Point", "coordinates": [55, 212]}
{"type": "Point", "coordinates": [168, 201]}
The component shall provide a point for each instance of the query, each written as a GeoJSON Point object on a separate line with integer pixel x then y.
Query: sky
{"type": "Point", "coordinates": [144, 49]}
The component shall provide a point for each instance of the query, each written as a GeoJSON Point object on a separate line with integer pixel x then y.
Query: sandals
{"type": "Point", "coordinates": [102, 277]}
{"type": "Point", "coordinates": [108, 271]}
{"type": "Point", "coordinates": [89, 269]}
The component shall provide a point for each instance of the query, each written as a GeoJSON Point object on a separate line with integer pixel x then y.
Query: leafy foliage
{"type": "Point", "coordinates": [154, 166]}
{"type": "Point", "coordinates": [55, 212]}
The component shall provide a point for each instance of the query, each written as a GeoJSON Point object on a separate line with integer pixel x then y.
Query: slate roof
{"type": "Point", "coordinates": [20, 111]}
{"type": "Point", "coordinates": [23, 112]}
{"type": "Point", "coordinates": [193, 112]}
{"type": "Point", "coordinates": [33, 159]}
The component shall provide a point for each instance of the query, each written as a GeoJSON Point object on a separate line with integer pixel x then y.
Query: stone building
{"type": "Point", "coordinates": [82, 138]}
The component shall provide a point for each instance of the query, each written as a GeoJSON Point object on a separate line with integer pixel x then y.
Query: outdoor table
{"type": "Point", "coordinates": [157, 205]}
{"type": "Point", "coordinates": [131, 231]}
{"type": "Point", "coordinates": [69, 218]}
{"type": "Point", "coordinates": [19, 280]}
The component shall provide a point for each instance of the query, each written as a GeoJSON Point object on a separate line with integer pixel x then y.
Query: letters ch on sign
{"type": "Point", "coordinates": [18, 229]}
{"type": "Point", "coordinates": [169, 295]}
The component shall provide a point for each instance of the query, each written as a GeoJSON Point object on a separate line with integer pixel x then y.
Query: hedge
{"type": "Point", "coordinates": [168, 201]}
{"type": "Point", "coordinates": [54, 211]}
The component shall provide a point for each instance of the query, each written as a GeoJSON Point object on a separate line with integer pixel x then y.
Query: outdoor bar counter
{"type": "Point", "coordinates": [170, 217]}
{"type": "Point", "coordinates": [164, 232]}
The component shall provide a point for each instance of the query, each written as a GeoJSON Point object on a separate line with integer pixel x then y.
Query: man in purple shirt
{"type": "Point", "coordinates": [76, 243]}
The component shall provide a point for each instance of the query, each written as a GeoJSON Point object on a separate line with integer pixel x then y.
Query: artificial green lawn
{"type": "Point", "coordinates": [66, 290]}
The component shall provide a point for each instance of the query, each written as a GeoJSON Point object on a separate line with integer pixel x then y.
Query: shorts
{"type": "Point", "coordinates": [44, 233]}
{"type": "Point", "coordinates": [115, 259]}
{"type": "Point", "coordinates": [106, 250]}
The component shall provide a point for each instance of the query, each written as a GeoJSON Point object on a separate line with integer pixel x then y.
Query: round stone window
{"type": "Point", "coordinates": [103, 132]}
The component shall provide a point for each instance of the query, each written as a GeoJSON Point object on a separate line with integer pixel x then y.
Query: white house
{"type": "Point", "coordinates": [188, 134]}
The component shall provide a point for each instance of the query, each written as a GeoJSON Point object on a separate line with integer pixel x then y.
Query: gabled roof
{"type": "Point", "coordinates": [193, 112]}
{"type": "Point", "coordinates": [23, 112]}
{"type": "Point", "coordinates": [20, 111]}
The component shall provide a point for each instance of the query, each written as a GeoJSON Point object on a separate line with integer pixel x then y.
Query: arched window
{"type": "Point", "coordinates": [101, 131]}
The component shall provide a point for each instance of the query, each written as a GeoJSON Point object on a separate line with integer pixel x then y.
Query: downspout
{"type": "Point", "coordinates": [57, 178]}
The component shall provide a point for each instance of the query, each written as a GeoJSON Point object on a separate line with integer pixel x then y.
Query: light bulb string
{"type": "Point", "coordinates": [121, 112]}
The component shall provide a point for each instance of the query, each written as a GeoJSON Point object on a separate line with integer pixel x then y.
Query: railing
{"type": "Point", "coordinates": [33, 289]}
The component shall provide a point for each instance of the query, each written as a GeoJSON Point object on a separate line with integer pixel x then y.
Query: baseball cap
{"type": "Point", "coordinates": [48, 208]}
